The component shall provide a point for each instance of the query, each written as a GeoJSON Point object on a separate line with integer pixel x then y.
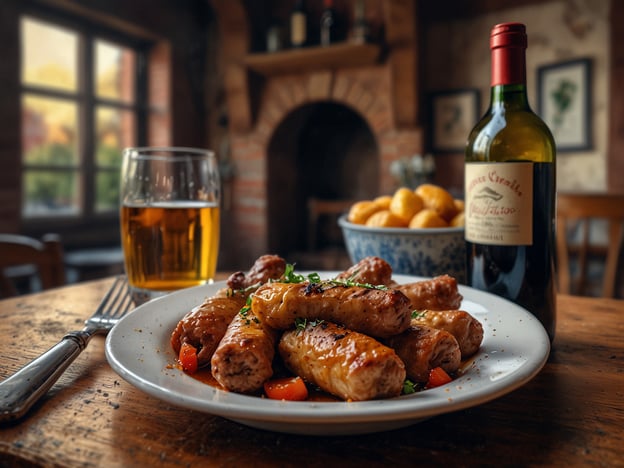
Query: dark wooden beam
{"type": "Point", "coordinates": [453, 9]}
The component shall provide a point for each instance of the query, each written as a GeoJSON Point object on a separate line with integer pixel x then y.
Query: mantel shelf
{"type": "Point", "coordinates": [314, 58]}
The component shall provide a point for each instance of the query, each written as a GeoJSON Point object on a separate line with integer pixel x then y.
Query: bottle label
{"type": "Point", "coordinates": [298, 29]}
{"type": "Point", "coordinates": [499, 203]}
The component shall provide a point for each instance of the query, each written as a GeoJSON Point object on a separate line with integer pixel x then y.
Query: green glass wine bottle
{"type": "Point", "coordinates": [510, 188]}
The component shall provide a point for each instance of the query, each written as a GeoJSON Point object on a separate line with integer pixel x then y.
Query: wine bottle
{"type": "Point", "coordinates": [510, 188]}
{"type": "Point", "coordinates": [328, 23]}
{"type": "Point", "coordinates": [298, 25]}
{"type": "Point", "coordinates": [360, 25]}
{"type": "Point", "coordinates": [274, 36]}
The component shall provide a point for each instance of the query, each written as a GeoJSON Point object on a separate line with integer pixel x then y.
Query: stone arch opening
{"type": "Point", "coordinates": [320, 152]}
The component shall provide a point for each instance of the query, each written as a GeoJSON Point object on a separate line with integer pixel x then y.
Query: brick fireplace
{"type": "Point", "coordinates": [306, 129]}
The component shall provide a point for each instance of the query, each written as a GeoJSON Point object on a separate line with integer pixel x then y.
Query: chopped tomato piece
{"type": "Point", "coordinates": [188, 358]}
{"type": "Point", "coordinates": [438, 377]}
{"type": "Point", "coordinates": [288, 388]}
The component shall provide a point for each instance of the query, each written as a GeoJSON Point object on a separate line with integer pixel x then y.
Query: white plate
{"type": "Point", "coordinates": [515, 348]}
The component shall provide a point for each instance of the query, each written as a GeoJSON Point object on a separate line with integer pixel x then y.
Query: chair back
{"type": "Point", "coordinates": [582, 209]}
{"type": "Point", "coordinates": [45, 255]}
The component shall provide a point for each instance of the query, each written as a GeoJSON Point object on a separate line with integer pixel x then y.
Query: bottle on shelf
{"type": "Point", "coordinates": [329, 24]}
{"type": "Point", "coordinates": [298, 25]}
{"type": "Point", "coordinates": [274, 42]}
{"type": "Point", "coordinates": [510, 188]}
{"type": "Point", "coordinates": [360, 31]}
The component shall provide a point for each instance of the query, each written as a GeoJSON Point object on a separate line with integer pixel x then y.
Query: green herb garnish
{"type": "Point", "coordinates": [291, 277]}
{"type": "Point", "coordinates": [409, 387]}
{"type": "Point", "coordinates": [302, 323]}
{"type": "Point", "coordinates": [418, 313]}
{"type": "Point", "coordinates": [350, 282]}
{"type": "Point", "coordinates": [243, 291]}
{"type": "Point", "coordinates": [246, 308]}
{"type": "Point", "coordinates": [314, 278]}
{"type": "Point", "coordinates": [245, 313]}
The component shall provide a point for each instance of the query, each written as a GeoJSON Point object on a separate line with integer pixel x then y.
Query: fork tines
{"type": "Point", "coordinates": [115, 304]}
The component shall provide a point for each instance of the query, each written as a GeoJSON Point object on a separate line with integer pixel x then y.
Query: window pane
{"type": "Point", "coordinates": [115, 130]}
{"type": "Point", "coordinates": [49, 55]}
{"type": "Point", "coordinates": [114, 71]}
{"type": "Point", "coordinates": [49, 131]}
{"type": "Point", "coordinates": [106, 191]}
{"type": "Point", "coordinates": [50, 193]}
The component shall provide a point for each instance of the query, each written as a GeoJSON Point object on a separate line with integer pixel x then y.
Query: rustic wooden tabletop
{"type": "Point", "coordinates": [572, 413]}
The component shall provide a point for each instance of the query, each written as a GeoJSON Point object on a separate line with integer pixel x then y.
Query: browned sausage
{"type": "Point", "coordinates": [378, 313]}
{"type": "Point", "coordinates": [205, 325]}
{"type": "Point", "coordinates": [422, 348]}
{"type": "Point", "coordinates": [370, 270]}
{"type": "Point", "coordinates": [466, 329]}
{"type": "Point", "coordinates": [439, 293]}
{"type": "Point", "coordinates": [243, 360]}
{"type": "Point", "coordinates": [345, 363]}
{"type": "Point", "coordinates": [266, 267]}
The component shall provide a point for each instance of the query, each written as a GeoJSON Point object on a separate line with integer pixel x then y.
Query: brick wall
{"type": "Point", "coordinates": [159, 95]}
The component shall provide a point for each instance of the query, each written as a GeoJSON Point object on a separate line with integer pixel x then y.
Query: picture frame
{"type": "Point", "coordinates": [453, 114]}
{"type": "Point", "coordinates": [564, 103]}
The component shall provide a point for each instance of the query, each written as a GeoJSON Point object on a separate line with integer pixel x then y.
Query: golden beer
{"type": "Point", "coordinates": [170, 245]}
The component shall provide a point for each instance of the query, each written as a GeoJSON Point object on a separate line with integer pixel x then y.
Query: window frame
{"type": "Point", "coordinates": [88, 32]}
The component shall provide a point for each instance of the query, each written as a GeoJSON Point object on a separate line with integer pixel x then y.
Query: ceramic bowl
{"type": "Point", "coordinates": [423, 252]}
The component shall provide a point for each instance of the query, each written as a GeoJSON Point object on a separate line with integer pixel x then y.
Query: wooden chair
{"type": "Point", "coordinates": [581, 209]}
{"type": "Point", "coordinates": [318, 208]}
{"type": "Point", "coordinates": [46, 256]}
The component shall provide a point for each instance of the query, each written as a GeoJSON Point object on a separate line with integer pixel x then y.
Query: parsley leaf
{"type": "Point", "coordinates": [302, 323]}
{"type": "Point", "coordinates": [246, 308]}
{"type": "Point", "coordinates": [418, 313]}
{"type": "Point", "coordinates": [314, 278]}
{"type": "Point", "coordinates": [409, 387]}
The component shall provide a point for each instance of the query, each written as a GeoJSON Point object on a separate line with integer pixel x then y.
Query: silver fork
{"type": "Point", "coordinates": [19, 392]}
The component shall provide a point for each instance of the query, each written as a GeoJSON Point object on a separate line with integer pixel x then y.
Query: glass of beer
{"type": "Point", "coordinates": [169, 219]}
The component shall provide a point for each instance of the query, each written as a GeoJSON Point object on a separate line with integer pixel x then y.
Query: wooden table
{"type": "Point", "coordinates": [572, 413]}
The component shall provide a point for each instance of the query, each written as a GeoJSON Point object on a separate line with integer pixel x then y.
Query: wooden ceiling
{"type": "Point", "coordinates": [451, 9]}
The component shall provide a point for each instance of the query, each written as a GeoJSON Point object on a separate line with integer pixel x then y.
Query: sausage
{"type": "Point", "coordinates": [375, 312]}
{"type": "Point", "coordinates": [204, 326]}
{"type": "Point", "coordinates": [243, 360]}
{"type": "Point", "coordinates": [439, 293]}
{"type": "Point", "coordinates": [370, 270]}
{"type": "Point", "coordinates": [466, 329]}
{"type": "Point", "coordinates": [265, 268]}
{"type": "Point", "coordinates": [345, 363]}
{"type": "Point", "coordinates": [423, 348]}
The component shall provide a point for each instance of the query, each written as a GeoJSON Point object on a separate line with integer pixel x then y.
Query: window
{"type": "Point", "coordinates": [83, 101]}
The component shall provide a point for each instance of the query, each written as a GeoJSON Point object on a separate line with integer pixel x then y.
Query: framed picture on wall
{"type": "Point", "coordinates": [453, 115]}
{"type": "Point", "coordinates": [564, 102]}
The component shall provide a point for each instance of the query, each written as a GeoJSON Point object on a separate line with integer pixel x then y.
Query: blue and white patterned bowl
{"type": "Point", "coordinates": [423, 252]}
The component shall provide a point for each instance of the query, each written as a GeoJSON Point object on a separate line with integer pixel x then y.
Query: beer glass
{"type": "Point", "coordinates": [169, 219]}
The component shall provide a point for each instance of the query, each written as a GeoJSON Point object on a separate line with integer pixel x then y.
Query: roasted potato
{"type": "Point", "coordinates": [427, 218]}
{"type": "Point", "coordinates": [385, 218]}
{"type": "Point", "coordinates": [458, 220]}
{"type": "Point", "coordinates": [438, 199]}
{"type": "Point", "coordinates": [405, 204]}
{"type": "Point", "coordinates": [426, 206]}
{"type": "Point", "coordinates": [459, 205]}
{"type": "Point", "coordinates": [362, 210]}
{"type": "Point", "coordinates": [383, 201]}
